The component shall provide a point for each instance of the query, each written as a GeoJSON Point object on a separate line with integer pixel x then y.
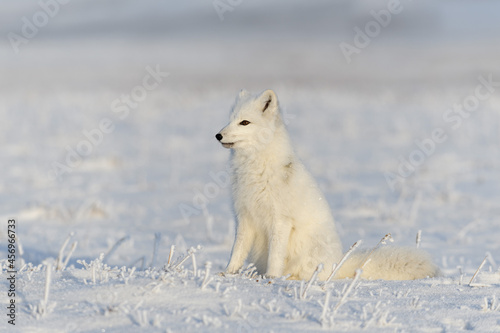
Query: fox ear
{"type": "Point", "coordinates": [243, 93]}
{"type": "Point", "coordinates": [268, 100]}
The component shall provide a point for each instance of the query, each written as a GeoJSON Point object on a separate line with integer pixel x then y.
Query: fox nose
{"type": "Point", "coordinates": [218, 136]}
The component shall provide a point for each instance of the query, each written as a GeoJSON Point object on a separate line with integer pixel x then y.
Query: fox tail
{"type": "Point", "coordinates": [390, 263]}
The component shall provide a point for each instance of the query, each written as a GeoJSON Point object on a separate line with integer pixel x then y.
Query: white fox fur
{"type": "Point", "coordinates": [284, 224]}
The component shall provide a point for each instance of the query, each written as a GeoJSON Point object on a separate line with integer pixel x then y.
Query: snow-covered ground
{"type": "Point", "coordinates": [125, 178]}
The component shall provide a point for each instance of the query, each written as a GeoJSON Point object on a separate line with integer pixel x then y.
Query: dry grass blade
{"type": "Point", "coordinates": [336, 267]}
{"type": "Point", "coordinates": [382, 241]}
{"type": "Point", "coordinates": [478, 269]}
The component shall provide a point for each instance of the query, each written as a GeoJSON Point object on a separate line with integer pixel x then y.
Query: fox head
{"type": "Point", "coordinates": [253, 121]}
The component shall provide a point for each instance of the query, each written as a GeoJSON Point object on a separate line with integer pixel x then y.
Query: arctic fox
{"type": "Point", "coordinates": [284, 223]}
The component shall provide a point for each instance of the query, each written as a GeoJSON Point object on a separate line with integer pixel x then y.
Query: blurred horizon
{"type": "Point", "coordinates": [257, 45]}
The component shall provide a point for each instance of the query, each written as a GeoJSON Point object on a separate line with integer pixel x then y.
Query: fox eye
{"type": "Point", "coordinates": [245, 122]}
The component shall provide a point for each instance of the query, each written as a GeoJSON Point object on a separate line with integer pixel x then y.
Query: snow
{"type": "Point", "coordinates": [350, 123]}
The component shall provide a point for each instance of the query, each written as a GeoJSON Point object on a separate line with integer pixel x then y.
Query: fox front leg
{"type": "Point", "coordinates": [278, 248]}
{"type": "Point", "coordinates": [241, 248]}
